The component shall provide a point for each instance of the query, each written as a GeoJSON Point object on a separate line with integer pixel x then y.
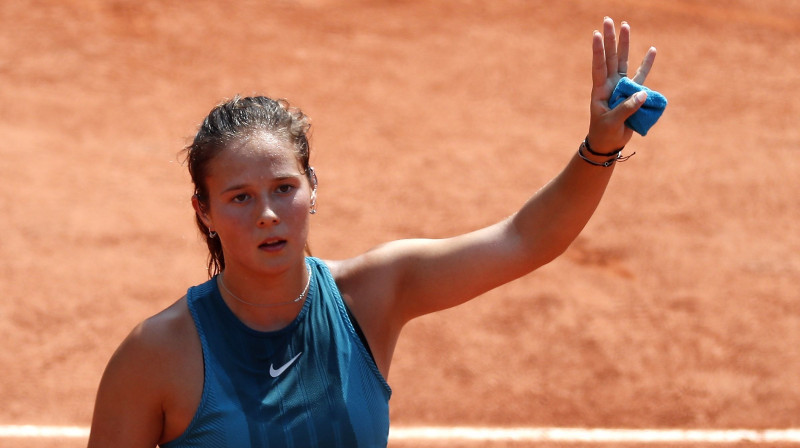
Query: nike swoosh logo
{"type": "Point", "coordinates": [273, 372]}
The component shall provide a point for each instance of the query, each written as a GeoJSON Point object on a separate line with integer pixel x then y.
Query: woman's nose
{"type": "Point", "coordinates": [267, 215]}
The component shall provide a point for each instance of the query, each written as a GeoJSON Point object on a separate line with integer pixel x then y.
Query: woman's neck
{"type": "Point", "coordinates": [265, 302]}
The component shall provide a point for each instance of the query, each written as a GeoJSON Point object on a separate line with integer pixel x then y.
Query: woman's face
{"type": "Point", "coordinates": [259, 200]}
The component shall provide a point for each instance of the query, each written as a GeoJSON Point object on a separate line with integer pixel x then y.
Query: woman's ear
{"type": "Point", "coordinates": [200, 209]}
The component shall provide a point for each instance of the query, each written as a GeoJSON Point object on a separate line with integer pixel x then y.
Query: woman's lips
{"type": "Point", "coordinates": [272, 245]}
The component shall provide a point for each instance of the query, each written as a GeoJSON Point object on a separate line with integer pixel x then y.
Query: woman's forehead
{"type": "Point", "coordinates": [261, 143]}
{"type": "Point", "coordinates": [262, 158]}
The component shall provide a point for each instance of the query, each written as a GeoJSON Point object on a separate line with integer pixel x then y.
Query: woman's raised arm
{"type": "Point", "coordinates": [423, 276]}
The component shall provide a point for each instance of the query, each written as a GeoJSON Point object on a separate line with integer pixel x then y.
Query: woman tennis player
{"type": "Point", "coordinates": [280, 348]}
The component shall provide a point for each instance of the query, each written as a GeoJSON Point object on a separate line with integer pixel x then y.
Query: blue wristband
{"type": "Point", "coordinates": [648, 114]}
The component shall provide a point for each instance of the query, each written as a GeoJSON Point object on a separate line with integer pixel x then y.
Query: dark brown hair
{"type": "Point", "coordinates": [226, 123]}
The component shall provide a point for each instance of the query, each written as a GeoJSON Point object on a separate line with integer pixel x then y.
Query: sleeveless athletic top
{"type": "Point", "coordinates": [311, 384]}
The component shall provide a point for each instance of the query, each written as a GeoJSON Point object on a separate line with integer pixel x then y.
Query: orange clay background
{"type": "Point", "coordinates": [677, 307]}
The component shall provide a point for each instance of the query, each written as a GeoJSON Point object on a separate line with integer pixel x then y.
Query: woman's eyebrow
{"type": "Point", "coordinates": [287, 177]}
{"type": "Point", "coordinates": [234, 187]}
{"type": "Point", "coordinates": [278, 178]}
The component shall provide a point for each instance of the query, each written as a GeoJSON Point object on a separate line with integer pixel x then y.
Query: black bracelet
{"type": "Point", "coordinates": [600, 154]}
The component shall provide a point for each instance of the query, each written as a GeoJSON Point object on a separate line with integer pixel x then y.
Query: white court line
{"type": "Point", "coordinates": [598, 435]}
{"type": "Point", "coordinates": [34, 431]}
{"type": "Point", "coordinates": [488, 434]}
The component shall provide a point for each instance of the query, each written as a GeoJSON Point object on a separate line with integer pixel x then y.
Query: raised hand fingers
{"type": "Point", "coordinates": [646, 65]}
{"type": "Point", "coordinates": [610, 59]}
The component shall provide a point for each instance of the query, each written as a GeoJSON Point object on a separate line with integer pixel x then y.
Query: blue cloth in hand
{"type": "Point", "coordinates": [648, 114]}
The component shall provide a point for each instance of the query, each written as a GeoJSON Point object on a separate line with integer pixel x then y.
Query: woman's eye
{"type": "Point", "coordinates": [240, 197]}
{"type": "Point", "coordinates": [286, 188]}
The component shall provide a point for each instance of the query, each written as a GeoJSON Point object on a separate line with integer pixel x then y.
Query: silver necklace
{"type": "Point", "coordinates": [266, 305]}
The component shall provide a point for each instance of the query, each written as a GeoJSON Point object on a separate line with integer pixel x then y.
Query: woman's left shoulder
{"type": "Point", "coordinates": [365, 278]}
{"type": "Point", "coordinates": [348, 274]}
{"type": "Point", "coordinates": [371, 271]}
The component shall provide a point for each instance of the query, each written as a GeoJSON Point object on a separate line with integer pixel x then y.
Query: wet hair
{"type": "Point", "coordinates": [229, 122]}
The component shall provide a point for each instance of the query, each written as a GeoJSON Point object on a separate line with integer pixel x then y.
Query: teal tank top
{"type": "Point", "coordinates": [311, 384]}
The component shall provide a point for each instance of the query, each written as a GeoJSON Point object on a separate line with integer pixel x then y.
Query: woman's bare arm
{"type": "Point", "coordinates": [423, 276]}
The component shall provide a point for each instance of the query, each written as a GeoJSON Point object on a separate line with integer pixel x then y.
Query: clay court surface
{"type": "Point", "coordinates": [678, 307]}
